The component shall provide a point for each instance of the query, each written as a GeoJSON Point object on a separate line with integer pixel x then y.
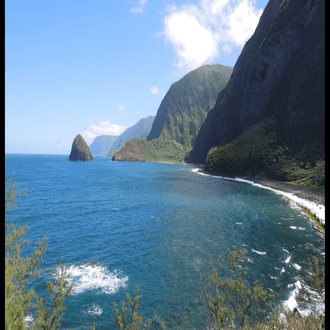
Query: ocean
{"type": "Point", "coordinates": [120, 225]}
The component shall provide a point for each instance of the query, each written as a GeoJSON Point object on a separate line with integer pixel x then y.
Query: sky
{"type": "Point", "coordinates": [97, 67]}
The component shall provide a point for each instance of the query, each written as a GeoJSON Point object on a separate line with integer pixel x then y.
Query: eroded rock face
{"type": "Point", "coordinates": [280, 74]}
{"type": "Point", "coordinates": [80, 150]}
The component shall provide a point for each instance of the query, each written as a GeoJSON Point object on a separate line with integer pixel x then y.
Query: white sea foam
{"type": "Point", "coordinates": [283, 270]}
{"type": "Point", "coordinates": [28, 319]}
{"type": "Point", "coordinates": [317, 209]}
{"type": "Point", "coordinates": [94, 277]}
{"type": "Point", "coordinates": [288, 260]}
{"type": "Point", "coordinates": [259, 252]}
{"type": "Point", "coordinates": [291, 303]}
{"type": "Point", "coordinates": [95, 310]}
{"type": "Point", "coordinates": [297, 228]}
{"type": "Point", "coordinates": [296, 266]}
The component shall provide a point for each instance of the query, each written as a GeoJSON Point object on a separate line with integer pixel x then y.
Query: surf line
{"type": "Point", "coordinates": [317, 209]}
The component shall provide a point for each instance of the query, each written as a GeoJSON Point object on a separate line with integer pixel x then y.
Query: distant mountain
{"type": "Point", "coordinates": [270, 118]}
{"type": "Point", "coordinates": [102, 144]}
{"type": "Point", "coordinates": [139, 131]}
{"type": "Point", "coordinates": [181, 114]}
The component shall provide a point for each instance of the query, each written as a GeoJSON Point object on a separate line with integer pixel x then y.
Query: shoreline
{"type": "Point", "coordinates": [307, 197]}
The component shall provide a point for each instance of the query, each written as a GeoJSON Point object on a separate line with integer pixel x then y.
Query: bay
{"type": "Point", "coordinates": [119, 225]}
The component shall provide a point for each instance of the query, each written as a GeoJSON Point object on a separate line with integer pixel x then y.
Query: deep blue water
{"type": "Point", "coordinates": [120, 225]}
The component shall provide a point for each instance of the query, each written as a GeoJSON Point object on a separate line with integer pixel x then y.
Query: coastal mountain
{"type": "Point", "coordinates": [139, 131]}
{"type": "Point", "coordinates": [102, 144]}
{"type": "Point", "coordinates": [138, 150]}
{"type": "Point", "coordinates": [180, 116]}
{"type": "Point", "coordinates": [269, 119]}
{"type": "Point", "coordinates": [80, 150]}
{"type": "Point", "coordinates": [186, 104]}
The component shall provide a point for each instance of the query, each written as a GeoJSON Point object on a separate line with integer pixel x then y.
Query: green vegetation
{"type": "Point", "coordinates": [160, 150]}
{"type": "Point", "coordinates": [263, 151]}
{"type": "Point", "coordinates": [313, 176]}
{"type": "Point", "coordinates": [135, 322]}
{"type": "Point", "coordinates": [186, 104]}
{"type": "Point", "coordinates": [20, 301]}
{"type": "Point", "coordinates": [316, 277]}
{"type": "Point", "coordinates": [157, 150]}
{"type": "Point", "coordinates": [318, 224]}
{"type": "Point", "coordinates": [292, 322]}
{"type": "Point", "coordinates": [179, 117]}
{"type": "Point", "coordinates": [231, 298]}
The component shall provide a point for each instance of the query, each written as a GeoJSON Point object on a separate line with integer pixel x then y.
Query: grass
{"type": "Point", "coordinates": [157, 150]}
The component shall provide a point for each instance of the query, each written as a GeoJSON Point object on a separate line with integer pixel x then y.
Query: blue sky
{"type": "Point", "coordinates": [98, 67]}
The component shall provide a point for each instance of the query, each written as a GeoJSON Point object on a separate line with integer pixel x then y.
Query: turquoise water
{"type": "Point", "coordinates": [120, 225]}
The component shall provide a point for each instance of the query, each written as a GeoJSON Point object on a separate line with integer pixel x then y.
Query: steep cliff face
{"type": "Point", "coordinates": [186, 104]}
{"type": "Point", "coordinates": [278, 79]}
{"type": "Point", "coordinates": [180, 116]}
{"type": "Point", "coordinates": [80, 150]}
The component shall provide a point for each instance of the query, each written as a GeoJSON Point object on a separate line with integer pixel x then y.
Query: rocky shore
{"type": "Point", "coordinates": [302, 192]}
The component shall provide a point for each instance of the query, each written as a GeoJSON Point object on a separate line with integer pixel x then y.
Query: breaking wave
{"type": "Point", "coordinates": [317, 209]}
{"type": "Point", "coordinates": [258, 252]}
{"type": "Point", "coordinates": [95, 310]}
{"type": "Point", "coordinates": [317, 307]}
{"type": "Point", "coordinates": [95, 277]}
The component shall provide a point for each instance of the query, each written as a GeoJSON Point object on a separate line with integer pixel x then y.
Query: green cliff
{"type": "Point", "coordinates": [180, 115]}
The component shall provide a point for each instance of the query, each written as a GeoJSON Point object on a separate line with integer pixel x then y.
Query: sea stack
{"type": "Point", "coordinates": [80, 150]}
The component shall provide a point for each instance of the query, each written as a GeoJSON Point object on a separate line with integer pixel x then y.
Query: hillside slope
{"type": "Point", "coordinates": [186, 104]}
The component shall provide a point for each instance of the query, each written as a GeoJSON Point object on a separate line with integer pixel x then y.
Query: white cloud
{"type": "Point", "coordinates": [140, 8]}
{"type": "Point", "coordinates": [121, 108]}
{"type": "Point", "coordinates": [103, 128]}
{"type": "Point", "coordinates": [200, 33]}
{"type": "Point", "coordinates": [154, 90]}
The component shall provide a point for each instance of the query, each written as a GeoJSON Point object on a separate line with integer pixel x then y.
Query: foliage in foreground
{"type": "Point", "coordinates": [231, 300]}
{"type": "Point", "coordinates": [20, 301]}
{"type": "Point", "coordinates": [290, 321]}
{"type": "Point", "coordinates": [135, 321]}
